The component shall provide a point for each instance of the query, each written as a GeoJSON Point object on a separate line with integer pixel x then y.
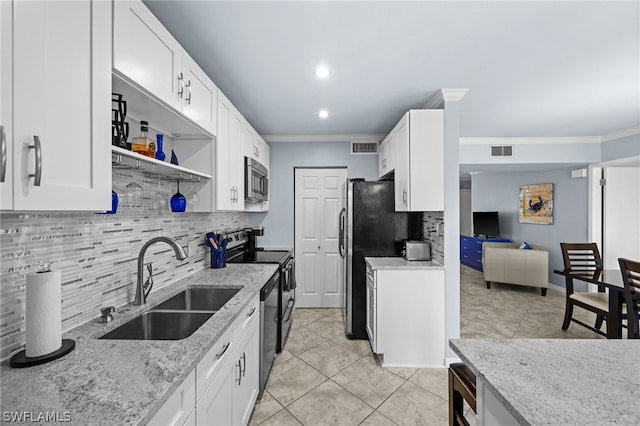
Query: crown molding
{"type": "Point", "coordinates": [445, 95]}
{"type": "Point", "coordinates": [621, 134]}
{"type": "Point", "coordinates": [530, 140]}
{"type": "Point", "coordinates": [347, 137]}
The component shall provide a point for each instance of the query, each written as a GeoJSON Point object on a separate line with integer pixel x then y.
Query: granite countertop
{"type": "Point", "coordinates": [544, 382]}
{"type": "Point", "coordinates": [127, 381]}
{"type": "Point", "coordinates": [378, 263]}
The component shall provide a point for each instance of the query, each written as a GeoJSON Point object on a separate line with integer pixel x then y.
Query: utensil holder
{"type": "Point", "coordinates": [218, 258]}
{"type": "Point", "coordinates": [218, 254]}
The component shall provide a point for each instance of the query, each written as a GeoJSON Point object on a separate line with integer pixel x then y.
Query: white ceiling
{"type": "Point", "coordinates": [533, 69]}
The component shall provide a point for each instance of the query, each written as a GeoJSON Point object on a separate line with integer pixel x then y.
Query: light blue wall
{"type": "Point", "coordinates": [500, 191]}
{"type": "Point", "coordinates": [278, 222]}
{"type": "Point", "coordinates": [621, 148]}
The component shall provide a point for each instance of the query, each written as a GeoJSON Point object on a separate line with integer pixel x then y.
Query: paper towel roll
{"type": "Point", "coordinates": [44, 313]}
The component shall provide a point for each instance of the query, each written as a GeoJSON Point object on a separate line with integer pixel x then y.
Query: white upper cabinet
{"type": "Point", "coordinates": [148, 55]}
{"type": "Point", "coordinates": [6, 106]}
{"type": "Point", "coordinates": [419, 161]}
{"type": "Point", "coordinates": [386, 156]}
{"type": "Point", "coordinates": [229, 158]}
{"type": "Point", "coordinates": [61, 104]}
{"type": "Point", "coordinates": [201, 96]}
{"type": "Point", "coordinates": [254, 146]}
{"type": "Point", "coordinates": [145, 52]}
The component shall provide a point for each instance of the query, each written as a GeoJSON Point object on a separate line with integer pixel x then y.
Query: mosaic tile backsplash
{"type": "Point", "coordinates": [97, 253]}
{"type": "Point", "coordinates": [430, 223]}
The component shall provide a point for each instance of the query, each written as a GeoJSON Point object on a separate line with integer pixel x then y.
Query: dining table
{"type": "Point", "coordinates": [610, 279]}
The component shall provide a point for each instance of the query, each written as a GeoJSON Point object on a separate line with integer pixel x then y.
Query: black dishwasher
{"type": "Point", "coordinates": [268, 327]}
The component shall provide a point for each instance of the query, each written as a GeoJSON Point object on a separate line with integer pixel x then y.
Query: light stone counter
{"type": "Point", "coordinates": [378, 263]}
{"type": "Point", "coordinates": [552, 382]}
{"type": "Point", "coordinates": [125, 382]}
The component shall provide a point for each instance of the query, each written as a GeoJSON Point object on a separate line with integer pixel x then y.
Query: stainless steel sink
{"type": "Point", "coordinates": [155, 325]}
{"type": "Point", "coordinates": [199, 299]}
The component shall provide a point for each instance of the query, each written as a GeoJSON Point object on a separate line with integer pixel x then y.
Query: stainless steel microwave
{"type": "Point", "coordinates": [256, 181]}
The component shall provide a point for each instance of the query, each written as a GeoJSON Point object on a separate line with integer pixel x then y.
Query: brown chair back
{"type": "Point", "coordinates": [582, 259]}
{"type": "Point", "coordinates": [631, 278]}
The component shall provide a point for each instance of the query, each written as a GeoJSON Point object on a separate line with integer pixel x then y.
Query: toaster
{"type": "Point", "coordinates": [416, 250]}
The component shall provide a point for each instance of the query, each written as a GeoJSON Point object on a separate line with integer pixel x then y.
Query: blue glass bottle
{"type": "Point", "coordinates": [159, 153]}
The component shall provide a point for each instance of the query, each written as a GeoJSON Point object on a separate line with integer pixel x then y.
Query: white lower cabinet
{"type": "Point", "coordinates": [178, 410]}
{"type": "Point", "coordinates": [228, 376]}
{"type": "Point", "coordinates": [215, 408]}
{"type": "Point", "coordinates": [405, 316]}
{"type": "Point", "coordinates": [247, 377]}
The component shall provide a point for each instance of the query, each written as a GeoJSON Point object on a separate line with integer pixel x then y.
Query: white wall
{"type": "Point", "coordinates": [278, 222]}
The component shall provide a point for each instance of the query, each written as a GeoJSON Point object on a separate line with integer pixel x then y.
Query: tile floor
{"type": "Point", "coordinates": [323, 378]}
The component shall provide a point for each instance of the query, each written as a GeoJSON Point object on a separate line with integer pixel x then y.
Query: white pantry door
{"type": "Point", "coordinates": [318, 202]}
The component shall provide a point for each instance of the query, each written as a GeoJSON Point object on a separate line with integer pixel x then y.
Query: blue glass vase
{"type": "Point", "coordinates": [178, 201]}
{"type": "Point", "coordinates": [159, 153]}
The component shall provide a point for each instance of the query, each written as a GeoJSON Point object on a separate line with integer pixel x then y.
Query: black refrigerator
{"type": "Point", "coordinates": [369, 227]}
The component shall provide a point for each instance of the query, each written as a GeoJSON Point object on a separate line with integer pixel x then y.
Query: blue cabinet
{"type": "Point", "coordinates": [471, 250]}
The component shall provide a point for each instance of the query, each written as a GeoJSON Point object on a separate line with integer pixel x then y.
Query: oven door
{"type": "Point", "coordinates": [256, 181]}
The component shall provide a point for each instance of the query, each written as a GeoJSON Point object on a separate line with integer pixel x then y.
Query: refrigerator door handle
{"type": "Point", "coordinates": [341, 219]}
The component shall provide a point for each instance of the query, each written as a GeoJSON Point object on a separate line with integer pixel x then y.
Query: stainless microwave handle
{"type": "Point", "coordinates": [264, 185]}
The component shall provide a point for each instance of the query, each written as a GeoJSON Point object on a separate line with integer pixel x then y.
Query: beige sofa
{"type": "Point", "coordinates": [506, 263]}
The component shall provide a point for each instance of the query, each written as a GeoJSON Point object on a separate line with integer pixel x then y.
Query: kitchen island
{"type": "Point", "coordinates": [125, 381]}
{"type": "Point", "coordinates": [550, 382]}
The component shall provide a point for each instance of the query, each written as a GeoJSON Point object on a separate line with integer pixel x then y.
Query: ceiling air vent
{"type": "Point", "coordinates": [501, 150]}
{"type": "Point", "coordinates": [364, 147]}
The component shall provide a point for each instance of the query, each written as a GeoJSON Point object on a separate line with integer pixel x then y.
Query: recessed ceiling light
{"type": "Point", "coordinates": [322, 72]}
{"type": "Point", "coordinates": [323, 113]}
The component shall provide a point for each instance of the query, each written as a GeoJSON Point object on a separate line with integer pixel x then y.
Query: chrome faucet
{"type": "Point", "coordinates": [141, 288]}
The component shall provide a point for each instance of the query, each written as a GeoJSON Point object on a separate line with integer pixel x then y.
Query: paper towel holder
{"type": "Point", "coordinates": [21, 360]}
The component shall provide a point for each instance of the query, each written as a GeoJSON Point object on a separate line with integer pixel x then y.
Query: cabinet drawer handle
{"type": "Point", "coordinates": [37, 176]}
{"type": "Point", "coordinates": [218, 356]}
{"type": "Point", "coordinates": [239, 373]}
{"type": "Point", "coordinates": [181, 81]}
{"type": "Point", "coordinates": [189, 92]}
{"type": "Point", "coordinates": [244, 363]}
{"type": "Point", "coordinates": [3, 161]}
{"type": "Point", "coordinates": [252, 311]}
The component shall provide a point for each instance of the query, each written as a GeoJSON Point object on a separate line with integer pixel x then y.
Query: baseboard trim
{"type": "Point", "coordinates": [448, 361]}
{"type": "Point", "coordinates": [557, 287]}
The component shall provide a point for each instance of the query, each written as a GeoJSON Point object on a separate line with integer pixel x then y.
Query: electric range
{"type": "Point", "coordinates": [241, 248]}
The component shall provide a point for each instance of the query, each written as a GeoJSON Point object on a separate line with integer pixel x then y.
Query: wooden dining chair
{"type": "Point", "coordinates": [631, 278]}
{"type": "Point", "coordinates": [584, 259]}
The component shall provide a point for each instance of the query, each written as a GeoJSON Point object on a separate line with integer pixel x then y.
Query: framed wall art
{"type": "Point", "coordinates": [536, 204]}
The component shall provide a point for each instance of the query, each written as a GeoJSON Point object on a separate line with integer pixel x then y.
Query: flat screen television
{"type": "Point", "coordinates": [486, 223]}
